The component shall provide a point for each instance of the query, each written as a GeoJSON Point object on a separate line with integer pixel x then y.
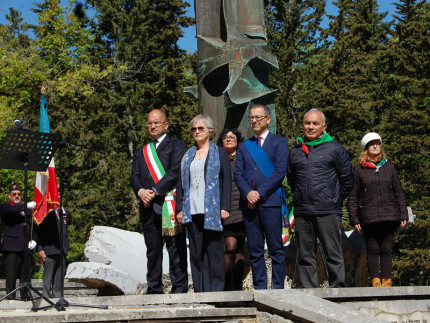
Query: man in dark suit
{"type": "Point", "coordinates": [261, 189]}
{"type": "Point", "coordinates": [155, 194]}
{"type": "Point", "coordinates": [13, 249]}
{"type": "Point", "coordinates": [49, 249]}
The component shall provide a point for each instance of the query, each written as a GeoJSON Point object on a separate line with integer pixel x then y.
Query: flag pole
{"type": "Point", "coordinates": [62, 303]}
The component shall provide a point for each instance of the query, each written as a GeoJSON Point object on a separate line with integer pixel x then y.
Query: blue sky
{"type": "Point", "coordinates": [188, 42]}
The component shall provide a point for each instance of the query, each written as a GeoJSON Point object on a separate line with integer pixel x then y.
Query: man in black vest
{"type": "Point", "coordinates": [151, 193]}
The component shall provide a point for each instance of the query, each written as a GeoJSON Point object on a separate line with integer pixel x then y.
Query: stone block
{"type": "Point", "coordinates": [119, 249]}
{"type": "Point", "coordinates": [107, 279]}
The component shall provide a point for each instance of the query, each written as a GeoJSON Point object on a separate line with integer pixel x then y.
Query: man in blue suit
{"type": "Point", "coordinates": [163, 156]}
{"type": "Point", "coordinates": [261, 165]}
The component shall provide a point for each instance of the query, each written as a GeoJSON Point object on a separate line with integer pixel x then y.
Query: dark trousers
{"type": "Point", "coordinates": [265, 223]}
{"type": "Point", "coordinates": [206, 256]}
{"type": "Point", "coordinates": [177, 249]}
{"type": "Point", "coordinates": [52, 276]}
{"type": "Point", "coordinates": [327, 229]}
{"type": "Point", "coordinates": [379, 245]}
{"type": "Point", "coordinates": [14, 268]}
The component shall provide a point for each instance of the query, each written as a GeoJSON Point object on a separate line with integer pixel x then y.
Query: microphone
{"type": "Point", "coordinates": [18, 124]}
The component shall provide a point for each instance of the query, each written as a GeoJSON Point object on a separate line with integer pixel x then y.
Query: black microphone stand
{"type": "Point", "coordinates": [33, 151]}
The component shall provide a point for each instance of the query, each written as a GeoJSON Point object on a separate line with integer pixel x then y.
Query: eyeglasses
{"type": "Point", "coordinates": [256, 118]}
{"type": "Point", "coordinates": [232, 138]}
{"type": "Point", "coordinates": [16, 194]}
{"type": "Point", "coordinates": [200, 129]}
{"type": "Point", "coordinates": [155, 123]}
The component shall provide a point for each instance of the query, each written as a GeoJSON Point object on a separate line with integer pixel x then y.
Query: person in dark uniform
{"type": "Point", "coordinates": [13, 219]}
{"type": "Point", "coordinates": [49, 250]}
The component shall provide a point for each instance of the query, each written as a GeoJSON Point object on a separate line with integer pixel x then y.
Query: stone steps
{"type": "Point", "coordinates": [335, 305]}
{"type": "Point", "coordinates": [70, 289]}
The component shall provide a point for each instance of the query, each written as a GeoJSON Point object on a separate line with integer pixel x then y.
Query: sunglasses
{"type": "Point", "coordinates": [16, 194]}
{"type": "Point", "coordinates": [200, 129]}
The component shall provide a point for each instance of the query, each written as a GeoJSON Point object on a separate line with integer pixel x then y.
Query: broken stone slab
{"type": "Point", "coordinates": [107, 279]}
{"type": "Point", "coordinates": [297, 305]}
{"type": "Point", "coordinates": [117, 262]}
{"type": "Point", "coordinates": [119, 249]}
{"type": "Point", "coordinates": [416, 311]}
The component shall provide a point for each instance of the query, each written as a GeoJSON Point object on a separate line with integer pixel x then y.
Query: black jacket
{"type": "Point", "coordinates": [321, 180]}
{"type": "Point", "coordinates": [48, 234]}
{"type": "Point", "coordinates": [376, 196]}
{"type": "Point", "coordinates": [235, 211]}
{"type": "Point", "coordinates": [170, 152]}
{"type": "Point", "coordinates": [13, 221]}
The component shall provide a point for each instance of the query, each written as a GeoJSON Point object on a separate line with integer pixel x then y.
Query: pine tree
{"type": "Point", "coordinates": [293, 29]}
{"type": "Point", "coordinates": [137, 40]}
{"type": "Point", "coordinates": [346, 78]}
{"type": "Point", "coordinates": [404, 127]}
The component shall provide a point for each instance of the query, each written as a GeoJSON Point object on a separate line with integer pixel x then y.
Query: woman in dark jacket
{"type": "Point", "coordinates": [377, 205]}
{"type": "Point", "coordinates": [202, 200]}
{"type": "Point", "coordinates": [234, 230]}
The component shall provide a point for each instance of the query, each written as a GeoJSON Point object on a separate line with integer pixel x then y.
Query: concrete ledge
{"type": "Point", "coordinates": [370, 293]}
{"type": "Point", "coordinates": [38, 283]}
{"type": "Point", "coordinates": [142, 300]}
{"type": "Point", "coordinates": [287, 305]}
{"type": "Point", "coordinates": [297, 305]}
{"type": "Point", "coordinates": [71, 289]}
{"type": "Point", "coordinates": [159, 314]}
{"type": "Point", "coordinates": [395, 311]}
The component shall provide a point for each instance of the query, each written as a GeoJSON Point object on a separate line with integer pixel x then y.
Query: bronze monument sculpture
{"type": "Point", "coordinates": [233, 61]}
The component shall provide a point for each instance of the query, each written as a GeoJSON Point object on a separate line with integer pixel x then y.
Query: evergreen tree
{"type": "Point", "coordinates": [138, 41]}
{"type": "Point", "coordinates": [293, 29]}
{"type": "Point", "coordinates": [346, 78]}
{"type": "Point", "coordinates": [404, 127]}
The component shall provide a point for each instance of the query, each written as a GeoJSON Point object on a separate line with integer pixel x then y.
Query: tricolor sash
{"type": "Point", "coordinates": [169, 225]}
{"type": "Point", "coordinates": [266, 166]}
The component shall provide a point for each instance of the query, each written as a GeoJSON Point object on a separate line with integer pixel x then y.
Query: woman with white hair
{"type": "Point", "coordinates": [377, 206]}
{"type": "Point", "coordinates": [202, 200]}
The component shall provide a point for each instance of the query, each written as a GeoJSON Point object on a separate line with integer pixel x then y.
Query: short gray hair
{"type": "Point", "coordinates": [207, 120]}
{"type": "Point", "coordinates": [259, 105]}
{"type": "Point", "coordinates": [317, 110]}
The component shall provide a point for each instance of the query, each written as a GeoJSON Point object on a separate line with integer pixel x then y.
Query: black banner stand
{"type": "Point", "coordinates": [31, 151]}
{"type": "Point", "coordinates": [34, 151]}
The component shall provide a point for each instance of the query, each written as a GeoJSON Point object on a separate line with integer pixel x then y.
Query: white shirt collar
{"type": "Point", "coordinates": [159, 140]}
{"type": "Point", "coordinates": [263, 136]}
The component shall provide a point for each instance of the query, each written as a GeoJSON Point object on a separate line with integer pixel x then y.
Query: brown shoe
{"type": "Point", "coordinates": [376, 282]}
{"type": "Point", "coordinates": [386, 282]}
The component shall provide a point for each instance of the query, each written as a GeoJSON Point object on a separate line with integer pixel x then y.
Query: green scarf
{"type": "Point", "coordinates": [324, 138]}
{"type": "Point", "coordinates": [369, 164]}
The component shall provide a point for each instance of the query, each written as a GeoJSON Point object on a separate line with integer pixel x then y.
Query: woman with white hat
{"type": "Point", "coordinates": [377, 206]}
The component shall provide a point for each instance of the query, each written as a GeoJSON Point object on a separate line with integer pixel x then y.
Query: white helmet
{"type": "Point", "coordinates": [368, 138]}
